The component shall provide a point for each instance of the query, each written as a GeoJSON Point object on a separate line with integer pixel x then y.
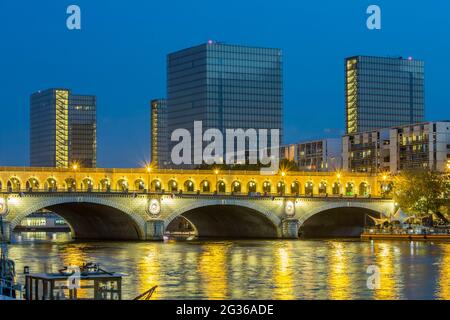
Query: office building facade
{"type": "Point", "coordinates": [63, 129]}
{"type": "Point", "coordinates": [226, 87]}
{"type": "Point", "coordinates": [420, 145]}
{"type": "Point", "coordinates": [383, 92]}
{"type": "Point", "coordinates": [159, 133]}
{"type": "Point", "coordinates": [316, 155]}
{"type": "Point", "coordinates": [366, 152]}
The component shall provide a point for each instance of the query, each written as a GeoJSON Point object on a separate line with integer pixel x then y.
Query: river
{"type": "Point", "coordinates": [253, 269]}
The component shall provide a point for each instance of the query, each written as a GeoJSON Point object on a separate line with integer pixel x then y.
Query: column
{"type": "Point", "coordinates": [289, 228]}
{"type": "Point", "coordinates": [154, 230]}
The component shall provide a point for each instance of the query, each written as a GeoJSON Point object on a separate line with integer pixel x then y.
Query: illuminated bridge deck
{"type": "Point", "coordinates": [135, 204]}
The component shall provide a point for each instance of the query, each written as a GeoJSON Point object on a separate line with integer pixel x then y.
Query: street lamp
{"type": "Point", "coordinates": [75, 168]}
{"type": "Point", "coordinates": [149, 169]}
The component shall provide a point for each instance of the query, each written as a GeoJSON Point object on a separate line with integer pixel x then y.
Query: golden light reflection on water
{"type": "Point", "coordinates": [75, 256]}
{"type": "Point", "coordinates": [385, 260]}
{"type": "Point", "coordinates": [213, 270]}
{"type": "Point", "coordinates": [148, 271]}
{"type": "Point", "coordinates": [256, 269]}
{"type": "Point", "coordinates": [443, 286]}
{"type": "Point", "coordinates": [338, 277]}
{"type": "Point", "coordinates": [283, 273]}
{"type": "Point", "coordinates": [72, 255]}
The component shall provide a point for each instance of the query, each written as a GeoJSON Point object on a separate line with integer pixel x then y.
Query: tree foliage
{"type": "Point", "coordinates": [421, 191]}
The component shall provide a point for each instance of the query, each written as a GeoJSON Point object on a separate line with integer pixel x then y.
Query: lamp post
{"type": "Point", "coordinates": [338, 176]}
{"type": "Point", "coordinates": [149, 169]}
{"type": "Point", "coordinates": [75, 167]}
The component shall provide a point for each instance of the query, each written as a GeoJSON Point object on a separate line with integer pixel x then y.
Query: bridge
{"type": "Point", "coordinates": [140, 204]}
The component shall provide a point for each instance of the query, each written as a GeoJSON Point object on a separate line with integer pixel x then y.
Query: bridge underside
{"type": "Point", "coordinates": [338, 222]}
{"type": "Point", "coordinates": [97, 222]}
{"type": "Point", "coordinates": [222, 221]}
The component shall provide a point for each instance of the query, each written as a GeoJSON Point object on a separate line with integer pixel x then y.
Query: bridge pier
{"type": "Point", "coordinates": [154, 230]}
{"type": "Point", "coordinates": [289, 228]}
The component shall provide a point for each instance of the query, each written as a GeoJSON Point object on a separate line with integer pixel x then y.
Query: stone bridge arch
{"type": "Point", "coordinates": [341, 218]}
{"type": "Point", "coordinates": [90, 217]}
{"type": "Point", "coordinates": [229, 218]}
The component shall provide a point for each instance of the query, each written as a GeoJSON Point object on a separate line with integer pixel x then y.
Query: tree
{"type": "Point", "coordinates": [421, 191]}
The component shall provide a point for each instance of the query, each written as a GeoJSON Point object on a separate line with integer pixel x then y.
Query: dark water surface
{"type": "Point", "coordinates": [253, 269]}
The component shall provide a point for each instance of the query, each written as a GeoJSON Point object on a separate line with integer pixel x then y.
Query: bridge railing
{"type": "Point", "coordinates": [195, 194]}
{"type": "Point", "coordinates": [14, 170]}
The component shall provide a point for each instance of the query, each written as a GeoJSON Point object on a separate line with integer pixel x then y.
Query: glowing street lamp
{"type": "Point", "coordinates": [148, 169]}
{"type": "Point", "coordinates": [75, 168]}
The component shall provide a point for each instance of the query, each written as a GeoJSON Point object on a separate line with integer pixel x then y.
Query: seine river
{"type": "Point", "coordinates": [254, 269]}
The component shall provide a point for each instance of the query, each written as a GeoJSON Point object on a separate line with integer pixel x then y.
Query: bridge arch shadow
{"type": "Point", "coordinates": [337, 222]}
{"type": "Point", "coordinates": [93, 219]}
{"type": "Point", "coordinates": [229, 221]}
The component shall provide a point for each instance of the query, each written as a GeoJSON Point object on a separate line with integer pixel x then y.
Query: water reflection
{"type": "Point", "coordinates": [212, 268]}
{"type": "Point", "coordinates": [255, 269]}
{"type": "Point", "coordinates": [339, 279]}
{"type": "Point", "coordinates": [443, 285]}
{"type": "Point", "coordinates": [283, 273]}
{"type": "Point", "coordinates": [385, 260]}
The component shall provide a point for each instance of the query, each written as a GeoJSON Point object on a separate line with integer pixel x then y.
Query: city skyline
{"type": "Point", "coordinates": [313, 81]}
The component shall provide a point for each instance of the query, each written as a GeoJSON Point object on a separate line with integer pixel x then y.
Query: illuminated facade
{"type": "Point", "coordinates": [383, 92]}
{"type": "Point", "coordinates": [62, 129]}
{"type": "Point", "coordinates": [43, 220]}
{"type": "Point", "coordinates": [316, 155]}
{"type": "Point", "coordinates": [225, 86]}
{"type": "Point", "coordinates": [419, 145]}
{"type": "Point", "coordinates": [159, 133]}
{"type": "Point", "coordinates": [366, 151]}
{"type": "Point", "coordinates": [16, 179]}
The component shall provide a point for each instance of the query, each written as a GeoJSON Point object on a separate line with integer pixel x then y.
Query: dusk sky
{"type": "Point", "coordinates": [119, 55]}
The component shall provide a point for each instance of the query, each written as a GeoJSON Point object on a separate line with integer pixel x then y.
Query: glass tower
{"type": "Point", "coordinates": [62, 129]}
{"type": "Point", "coordinates": [383, 92]}
{"type": "Point", "coordinates": [226, 87]}
{"type": "Point", "coordinates": [159, 133]}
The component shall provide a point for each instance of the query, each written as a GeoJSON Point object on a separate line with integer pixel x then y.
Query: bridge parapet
{"type": "Point", "coordinates": [15, 179]}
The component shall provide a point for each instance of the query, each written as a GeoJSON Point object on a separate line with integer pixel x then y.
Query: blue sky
{"type": "Point", "coordinates": [120, 56]}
